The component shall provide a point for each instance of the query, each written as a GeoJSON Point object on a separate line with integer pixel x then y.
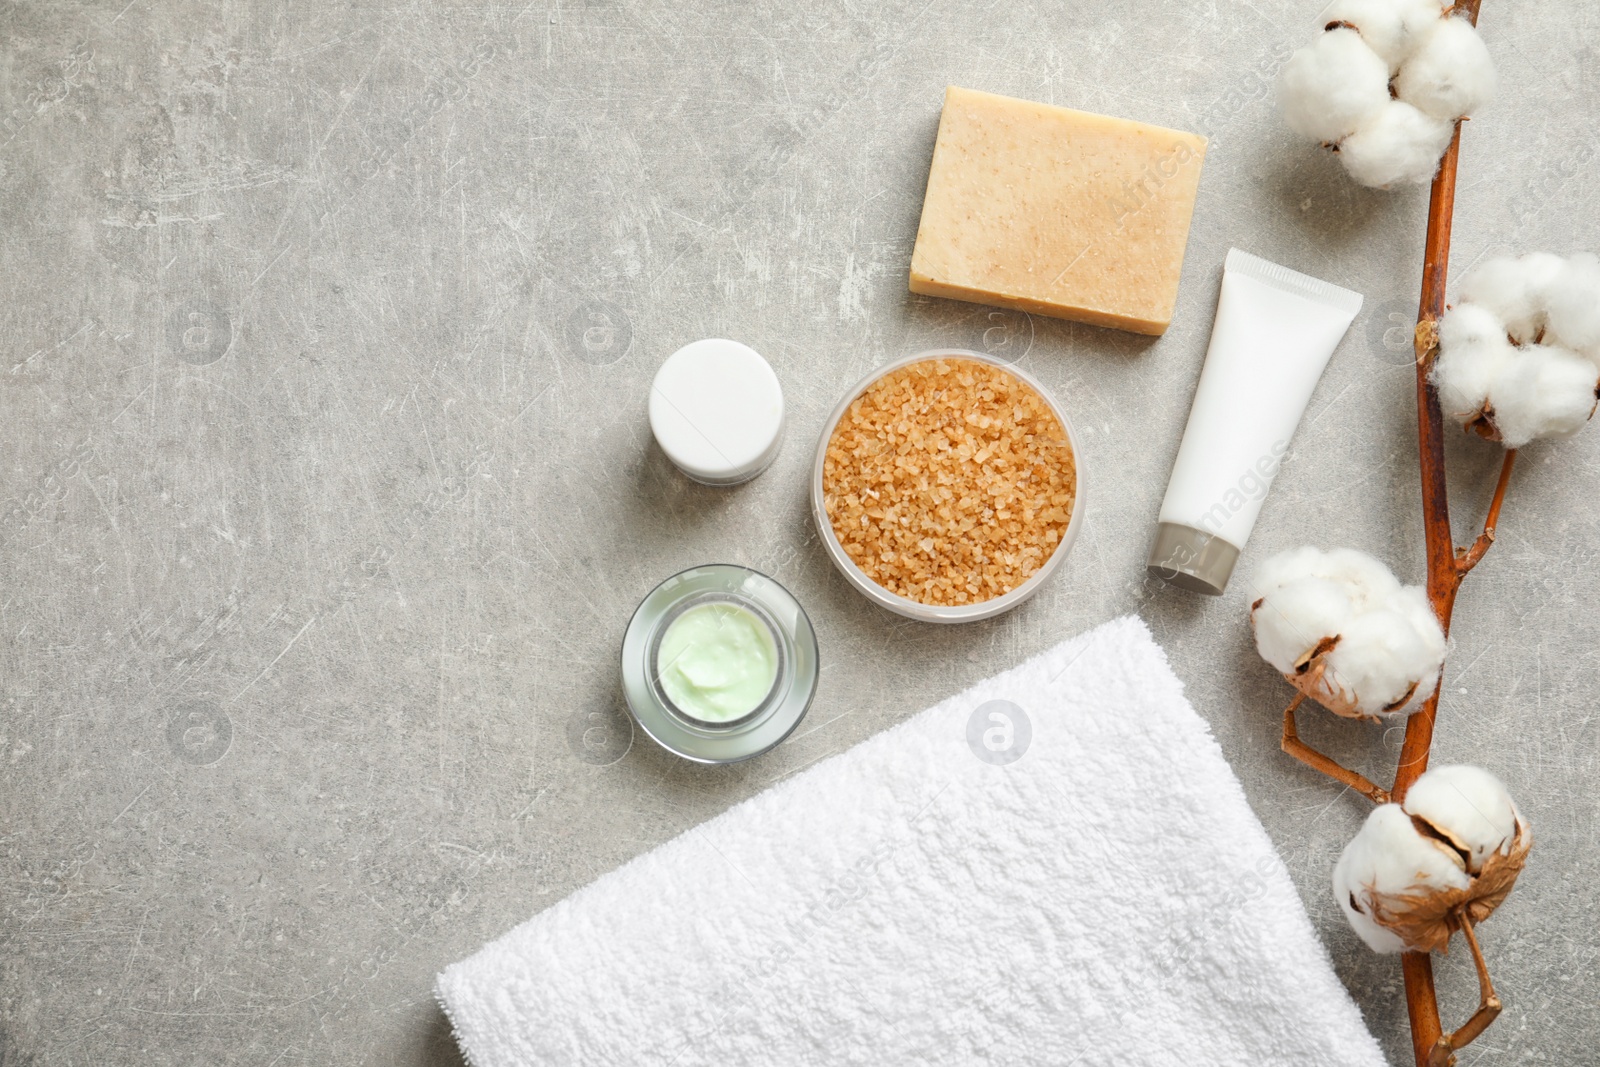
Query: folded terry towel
{"type": "Point", "coordinates": [1105, 898]}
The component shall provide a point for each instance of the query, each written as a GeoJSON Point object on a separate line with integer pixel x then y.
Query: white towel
{"type": "Point", "coordinates": [1106, 898]}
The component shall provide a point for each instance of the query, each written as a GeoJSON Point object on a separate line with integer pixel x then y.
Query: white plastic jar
{"type": "Point", "coordinates": [716, 410]}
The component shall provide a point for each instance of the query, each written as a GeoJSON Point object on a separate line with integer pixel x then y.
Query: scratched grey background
{"type": "Point", "coordinates": [326, 485]}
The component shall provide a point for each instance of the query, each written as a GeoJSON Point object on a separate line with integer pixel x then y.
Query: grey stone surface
{"type": "Point", "coordinates": [328, 490]}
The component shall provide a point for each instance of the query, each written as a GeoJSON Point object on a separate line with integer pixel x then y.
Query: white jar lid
{"type": "Point", "coordinates": [717, 411]}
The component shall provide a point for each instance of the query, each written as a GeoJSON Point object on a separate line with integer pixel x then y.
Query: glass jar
{"type": "Point", "coordinates": [762, 611]}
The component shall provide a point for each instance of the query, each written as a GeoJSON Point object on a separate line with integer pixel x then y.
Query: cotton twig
{"type": "Point", "coordinates": [1467, 558]}
{"type": "Point", "coordinates": [1444, 1051]}
{"type": "Point", "coordinates": [1325, 764]}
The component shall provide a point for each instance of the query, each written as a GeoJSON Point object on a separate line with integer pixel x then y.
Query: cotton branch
{"type": "Point", "coordinates": [1446, 567]}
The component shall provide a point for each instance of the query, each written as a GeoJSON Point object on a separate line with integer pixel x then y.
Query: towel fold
{"type": "Point", "coordinates": [1055, 867]}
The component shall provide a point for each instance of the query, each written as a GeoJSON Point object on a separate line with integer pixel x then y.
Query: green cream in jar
{"type": "Point", "coordinates": [717, 662]}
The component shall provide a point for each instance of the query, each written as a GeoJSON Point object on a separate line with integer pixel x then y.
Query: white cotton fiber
{"type": "Point", "coordinates": [1391, 28]}
{"type": "Point", "coordinates": [1544, 385]}
{"type": "Point", "coordinates": [1499, 286]}
{"type": "Point", "coordinates": [1366, 580]}
{"type": "Point", "coordinates": [1306, 594]}
{"type": "Point", "coordinates": [1395, 146]}
{"type": "Point", "coordinates": [1468, 805]}
{"type": "Point", "coordinates": [1390, 857]}
{"type": "Point", "coordinates": [1473, 350]}
{"type": "Point", "coordinates": [1545, 391]}
{"type": "Point", "coordinates": [1572, 308]}
{"type": "Point", "coordinates": [1517, 290]}
{"type": "Point", "coordinates": [1381, 653]}
{"type": "Point", "coordinates": [1331, 86]}
{"type": "Point", "coordinates": [1380, 645]}
{"type": "Point", "coordinates": [1334, 92]}
{"type": "Point", "coordinates": [1450, 74]}
{"type": "Point", "coordinates": [1293, 619]}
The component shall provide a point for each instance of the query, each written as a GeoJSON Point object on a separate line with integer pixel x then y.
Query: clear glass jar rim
{"type": "Point", "coordinates": [750, 736]}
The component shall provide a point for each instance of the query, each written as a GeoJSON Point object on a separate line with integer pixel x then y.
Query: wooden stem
{"type": "Point", "coordinates": [1446, 567]}
{"type": "Point", "coordinates": [1422, 1005]}
{"type": "Point", "coordinates": [1325, 764]}
{"type": "Point", "coordinates": [1444, 571]}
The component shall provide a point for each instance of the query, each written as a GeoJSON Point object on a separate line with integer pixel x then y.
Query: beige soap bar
{"type": "Point", "coordinates": [1056, 212]}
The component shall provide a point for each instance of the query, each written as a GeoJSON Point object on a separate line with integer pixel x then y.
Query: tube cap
{"type": "Point", "coordinates": [1191, 559]}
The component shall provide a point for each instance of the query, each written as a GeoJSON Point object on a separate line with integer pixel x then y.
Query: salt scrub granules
{"type": "Point", "coordinates": [949, 481]}
{"type": "Point", "coordinates": [1344, 631]}
{"type": "Point", "coordinates": [1519, 353]}
{"type": "Point", "coordinates": [1384, 86]}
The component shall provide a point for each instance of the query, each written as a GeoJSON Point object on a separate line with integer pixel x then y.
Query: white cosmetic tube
{"type": "Point", "coordinates": [1275, 331]}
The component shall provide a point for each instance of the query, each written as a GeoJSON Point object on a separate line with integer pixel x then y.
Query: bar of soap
{"type": "Point", "coordinates": [1056, 212]}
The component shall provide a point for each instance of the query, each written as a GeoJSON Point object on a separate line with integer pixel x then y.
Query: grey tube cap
{"type": "Point", "coordinates": [1192, 559]}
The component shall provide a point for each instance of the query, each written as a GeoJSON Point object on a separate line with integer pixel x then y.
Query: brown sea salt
{"type": "Point", "coordinates": [949, 481]}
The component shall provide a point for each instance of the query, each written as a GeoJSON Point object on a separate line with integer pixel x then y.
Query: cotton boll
{"type": "Point", "coordinates": [1473, 351]}
{"type": "Point", "coordinates": [1396, 145]}
{"type": "Point", "coordinates": [1387, 858]}
{"type": "Point", "coordinates": [1391, 28]}
{"type": "Point", "coordinates": [1452, 850]}
{"type": "Point", "coordinates": [1542, 389]}
{"type": "Point", "coordinates": [1450, 74]}
{"type": "Point", "coordinates": [1469, 806]}
{"type": "Point", "coordinates": [1572, 304]}
{"type": "Point", "coordinates": [1333, 85]}
{"type": "Point", "coordinates": [1545, 391]}
{"type": "Point", "coordinates": [1344, 631]}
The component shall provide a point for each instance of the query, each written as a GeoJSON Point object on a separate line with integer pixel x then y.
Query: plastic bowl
{"type": "Point", "coordinates": [911, 609]}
